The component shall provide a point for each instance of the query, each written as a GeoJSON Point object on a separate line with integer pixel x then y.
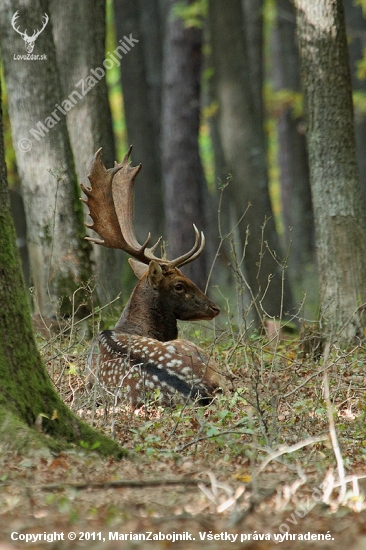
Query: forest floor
{"type": "Point", "coordinates": [261, 467]}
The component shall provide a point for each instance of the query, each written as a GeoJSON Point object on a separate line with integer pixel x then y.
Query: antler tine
{"type": "Point", "coordinates": [195, 251]}
{"type": "Point", "coordinates": [152, 249]}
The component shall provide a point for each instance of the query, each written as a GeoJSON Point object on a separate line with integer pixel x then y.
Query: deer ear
{"type": "Point", "coordinates": [138, 268]}
{"type": "Point", "coordinates": [155, 275]}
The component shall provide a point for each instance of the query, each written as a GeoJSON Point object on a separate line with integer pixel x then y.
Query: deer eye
{"type": "Point", "coordinates": [179, 287]}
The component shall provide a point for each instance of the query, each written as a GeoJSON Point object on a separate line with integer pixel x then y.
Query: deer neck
{"type": "Point", "coordinates": [145, 315]}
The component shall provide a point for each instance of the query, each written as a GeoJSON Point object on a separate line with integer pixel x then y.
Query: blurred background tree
{"type": "Point", "coordinates": [356, 34]}
{"type": "Point", "coordinates": [89, 122]}
{"type": "Point", "coordinates": [141, 78]}
{"type": "Point", "coordinates": [58, 257]}
{"type": "Point", "coordinates": [296, 204]}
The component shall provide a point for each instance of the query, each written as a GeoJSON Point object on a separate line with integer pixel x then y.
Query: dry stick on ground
{"type": "Point", "coordinates": [332, 431]}
{"type": "Point", "coordinates": [349, 479]}
{"type": "Point", "coordinates": [122, 483]}
{"type": "Point", "coordinates": [290, 449]}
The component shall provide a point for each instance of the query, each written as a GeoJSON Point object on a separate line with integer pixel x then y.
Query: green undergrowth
{"type": "Point", "coordinates": [274, 400]}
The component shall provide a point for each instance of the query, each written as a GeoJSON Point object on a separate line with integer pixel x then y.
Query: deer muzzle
{"type": "Point", "coordinates": [214, 309]}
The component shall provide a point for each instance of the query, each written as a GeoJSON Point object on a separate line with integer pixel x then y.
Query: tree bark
{"type": "Point", "coordinates": [141, 105]}
{"type": "Point", "coordinates": [220, 275]}
{"type": "Point", "coordinates": [245, 151]}
{"type": "Point", "coordinates": [184, 181]}
{"type": "Point", "coordinates": [59, 256]}
{"type": "Point", "coordinates": [293, 160]}
{"type": "Point", "coordinates": [19, 220]}
{"type": "Point", "coordinates": [26, 391]}
{"type": "Point", "coordinates": [79, 35]}
{"type": "Point", "coordinates": [152, 34]}
{"type": "Point", "coordinates": [253, 20]}
{"type": "Point", "coordinates": [340, 220]}
{"type": "Point", "coordinates": [356, 32]}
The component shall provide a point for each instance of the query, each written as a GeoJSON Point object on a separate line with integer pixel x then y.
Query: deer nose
{"type": "Point", "coordinates": [215, 309]}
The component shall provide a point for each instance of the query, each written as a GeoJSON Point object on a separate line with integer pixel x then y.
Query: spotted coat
{"type": "Point", "coordinates": [131, 368]}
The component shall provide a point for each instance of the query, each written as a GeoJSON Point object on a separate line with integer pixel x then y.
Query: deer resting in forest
{"type": "Point", "coordinates": [143, 353]}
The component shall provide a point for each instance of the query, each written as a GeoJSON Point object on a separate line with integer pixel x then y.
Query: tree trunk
{"type": "Point", "coordinates": [141, 108]}
{"type": "Point", "coordinates": [340, 220]}
{"type": "Point", "coordinates": [253, 20]}
{"type": "Point", "coordinates": [152, 34]}
{"type": "Point", "coordinates": [220, 275]}
{"type": "Point", "coordinates": [59, 256]}
{"type": "Point", "coordinates": [20, 226]}
{"type": "Point", "coordinates": [244, 147]}
{"type": "Point", "coordinates": [295, 185]}
{"type": "Point", "coordinates": [79, 34]}
{"type": "Point", "coordinates": [184, 181]}
{"type": "Point", "coordinates": [26, 391]}
{"type": "Point", "coordinates": [356, 32]}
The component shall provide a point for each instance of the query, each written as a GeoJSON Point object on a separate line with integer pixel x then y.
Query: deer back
{"type": "Point", "coordinates": [138, 370]}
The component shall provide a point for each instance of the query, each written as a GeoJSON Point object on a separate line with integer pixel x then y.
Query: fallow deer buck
{"type": "Point", "coordinates": [143, 353]}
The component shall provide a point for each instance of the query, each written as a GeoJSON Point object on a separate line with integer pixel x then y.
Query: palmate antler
{"type": "Point", "coordinates": [110, 203]}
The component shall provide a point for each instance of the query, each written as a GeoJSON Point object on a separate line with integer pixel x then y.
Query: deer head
{"type": "Point", "coordinates": [29, 40]}
{"type": "Point", "coordinates": [163, 294]}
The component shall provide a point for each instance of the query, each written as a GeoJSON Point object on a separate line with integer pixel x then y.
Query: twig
{"type": "Point", "coordinates": [290, 449]}
{"type": "Point", "coordinates": [219, 434]}
{"type": "Point", "coordinates": [348, 479]}
{"type": "Point", "coordinates": [333, 433]}
{"type": "Point", "coordinates": [121, 483]}
{"type": "Point", "coordinates": [65, 329]}
{"type": "Point", "coordinates": [320, 372]}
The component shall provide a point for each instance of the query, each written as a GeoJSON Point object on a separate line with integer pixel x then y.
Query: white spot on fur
{"type": "Point", "coordinates": [186, 370]}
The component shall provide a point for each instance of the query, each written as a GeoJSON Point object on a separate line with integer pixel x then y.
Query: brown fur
{"type": "Point", "coordinates": [143, 354]}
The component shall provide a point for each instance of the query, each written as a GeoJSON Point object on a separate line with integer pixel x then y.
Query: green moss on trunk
{"type": "Point", "coordinates": [25, 389]}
